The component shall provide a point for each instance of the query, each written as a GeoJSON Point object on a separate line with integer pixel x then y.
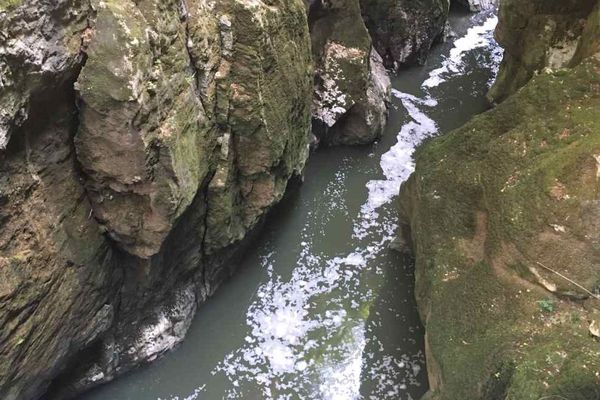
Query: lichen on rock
{"type": "Point", "coordinates": [125, 127]}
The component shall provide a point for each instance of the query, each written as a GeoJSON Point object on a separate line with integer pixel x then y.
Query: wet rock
{"type": "Point", "coordinates": [403, 31]}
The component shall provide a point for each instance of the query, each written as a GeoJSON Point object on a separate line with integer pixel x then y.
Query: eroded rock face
{"type": "Point", "coordinates": [40, 48]}
{"type": "Point", "coordinates": [496, 211]}
{"type": "Point", "coordinates": [352, 88]}
{"type": "Point", "coordinates": [503, 219]}
{"type": "Point", "coordinates": [57, 276]}
{"type": "Point", "coordinates": [156, 100]}
{"type": "Point", "coordinates": [141, 142]}
{"type": "Point", "coordinates": [403, 31]}
{"type": "Point", "coordinates": [542, 34]}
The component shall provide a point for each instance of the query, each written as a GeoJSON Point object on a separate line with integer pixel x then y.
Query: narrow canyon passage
{"type": "Point", "coordinates": [320, 307]}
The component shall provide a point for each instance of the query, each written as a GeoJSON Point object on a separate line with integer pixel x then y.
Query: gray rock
{"type": "Point", "coordinates": [479, 5]}
{"type": "Point", "coordinates": [352, 87]}
{"type": "Point", "coordinates": [403, 31]}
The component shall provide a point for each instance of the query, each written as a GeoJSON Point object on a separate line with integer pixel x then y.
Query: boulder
{"type": "Point", "coordinates": [352, 88]}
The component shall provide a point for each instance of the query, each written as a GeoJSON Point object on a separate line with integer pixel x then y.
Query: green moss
{"type": "Point", "coordinates": [529, 32]}
{"type": "Point", "coordinates": [7, 5]}
{"type": "Point", "coordinates": [546, 305]}
{"type": "Point", "coordinates": [481, 207]}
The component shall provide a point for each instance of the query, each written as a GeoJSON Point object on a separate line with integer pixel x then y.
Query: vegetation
{"type": "Point", "coordinates": [488, 203]}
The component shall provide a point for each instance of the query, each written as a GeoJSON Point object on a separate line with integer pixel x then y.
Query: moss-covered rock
{"type": "Point", "coordinates": [57, 276]}
{"type": "Point", "coordinates": [263, 88]}
{"type": "Point", "coordinates": [542, 34]}
{"type": "Point", "coordinates": [140, 142]}
{"type": "Point", "coordinates": [153, 106]}
{"type": "Point", "coordinates": [352, 87]}
{"type": "Point", "coordinates": [500, 212]}
{"type": "Point", "coordinates": [7, 5]}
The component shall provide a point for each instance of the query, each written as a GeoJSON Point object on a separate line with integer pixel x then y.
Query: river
{"type": "Point", "coordinates": [320, 307]}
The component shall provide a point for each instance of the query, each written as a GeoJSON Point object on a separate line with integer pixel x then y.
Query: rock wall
{"type": "Point", "coordinates": [141, 145]}
{"type": "Point", "coordinates": [492, 210]}
{"type": "Point", "coordinates": [353, 42]}
{"type": "Point", "coordinates": [542, 34]}
{"type": "Point", "coordinates": [403, 31]}
{"type": "Point", "coordinates": [502, 216]}
{"type": "Point", "coordinates": [352, 88]}
{"type": "Point", "coordinates": [141, 142]}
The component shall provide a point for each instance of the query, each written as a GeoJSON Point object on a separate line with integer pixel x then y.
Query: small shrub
{"type": "Point", "coordinates": [546, 305]}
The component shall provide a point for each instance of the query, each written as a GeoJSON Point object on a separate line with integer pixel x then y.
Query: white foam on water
{"type": "Point", "coordinates": [476, 37]}
{"type": "Point", "coordinates": [293, 348]}
{"type": "Point", "coordinates": [397, 164]}
{"type": "Point", "coordinates": [285, 326]}
{"type": "Point", "coordinates": [342, 378]}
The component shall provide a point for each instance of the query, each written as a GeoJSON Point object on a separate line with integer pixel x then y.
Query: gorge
{"type": "Point", "coordinates": [151, 160]}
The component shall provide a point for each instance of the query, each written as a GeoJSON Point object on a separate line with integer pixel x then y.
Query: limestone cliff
{"type": "Point", "coordinates": [502, 215]}
{"type": "Point", "coordinates": [141, 144]}
{"type": "Point", "coordinates": [353, 41]}
{"type": "Point", "coordinates": [351, 85]}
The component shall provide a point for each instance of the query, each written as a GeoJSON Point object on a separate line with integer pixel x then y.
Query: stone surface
{"type": "Point", "coordinates": [57, 278]}
{"type": "Point", "coordinates": [499, 213]}
{"type": "Point", "coordinates": [141, 143]}
{"type": "Point", "coordinates": [352, 87]}
{"type": "Point", "coordinates": [40, 48]}
{"type": "Point", "coordinates": [479, 5]}
{"type": "Point", "coordinates": [403, 31]}
{"type": "Point", "coordinates": [542, 34]}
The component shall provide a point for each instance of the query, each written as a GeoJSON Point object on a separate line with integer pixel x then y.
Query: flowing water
{"type": "Point", "coordinates": [320, 308]}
